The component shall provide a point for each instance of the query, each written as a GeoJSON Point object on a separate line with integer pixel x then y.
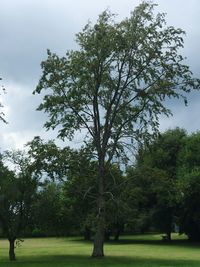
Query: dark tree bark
{"type": "Point", "coordinates": [168, 234]}
{"type": "Point", "coordinates": [119, 229]}
{"type": "Point", "coordinates": [107, 235]}
{"type": "Point", "coordinates": [87, 233]}
{"type": "Point", "coordinates": [12, 249]}
{"type": "Point", "coordinates": [98, 250]}
{"type": "Point", "coordinates": [117, 233]}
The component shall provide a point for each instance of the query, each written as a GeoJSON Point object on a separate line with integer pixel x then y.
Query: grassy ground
{"type": "Point", "coordinates": [139, 251]}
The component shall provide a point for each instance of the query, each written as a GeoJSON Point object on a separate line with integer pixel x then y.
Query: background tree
{"type": "Point", "coordinates": [49, 215]}
{"type": "Point", "coordinates": [160, 161]}
{"type": "Point", "coordinates": [141, 197]}
{"type": "Point", "coordinates": [189, 182]}
{"type": "Point", "coordinates": [113, 88]}
{"type": "Point", "coordinates": [189, 157]}
{"type": "Point", "coordinates": [73, 190]}
{"type": "Point", "coordinates": [48, 160]}
{"type": "Point", "coordinates": [117, 207]}
{"type": "Point", "coordinates": [189, 220]}
{"type": "Point", "coordinates": [17, 191]}
{"type": "Point", "coordinates": [79, 196]}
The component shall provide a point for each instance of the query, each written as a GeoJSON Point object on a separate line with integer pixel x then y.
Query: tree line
{"type": "Point", "coordinates": [51, 191]}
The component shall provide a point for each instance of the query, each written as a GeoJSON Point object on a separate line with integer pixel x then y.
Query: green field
{"type": "Point", "coordinates": [138, 251]}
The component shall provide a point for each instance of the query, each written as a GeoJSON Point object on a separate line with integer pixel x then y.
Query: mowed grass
{"type": "Point", "coordinates": [146, 250]}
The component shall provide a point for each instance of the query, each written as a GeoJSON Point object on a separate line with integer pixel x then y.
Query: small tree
{"type": "Point", "coordinates": [113, 88]}
{"type": "Point", "coordinates": [16, 196]}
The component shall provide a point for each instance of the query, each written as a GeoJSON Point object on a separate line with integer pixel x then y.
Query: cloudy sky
{"type": "Point", "coordinates": [29, 27]}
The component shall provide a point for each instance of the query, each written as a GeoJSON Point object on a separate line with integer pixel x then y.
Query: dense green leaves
{"type": "Point", "coordinates": [159, 163]}
{"type": "Point", "coordinates": [17, 193]}
{"type": "Point", "coordinates": [49, 215]}
{"type": "Point", "coordinates": [48, 160]}
{"type": "Point", "coordinates": [117, 80]}
{"type": "Point", "coordinates": [190, 211]}
{"type": "Point", "coordinates": [189, 158]}
{"type": "Point", "coordinates": [189, 178]}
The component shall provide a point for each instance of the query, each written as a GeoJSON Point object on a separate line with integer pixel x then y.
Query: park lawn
{"type": "Point", "coordinates": [146, 250]}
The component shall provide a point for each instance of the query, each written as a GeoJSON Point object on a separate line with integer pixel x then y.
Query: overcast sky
{"type": "Point", "coordinates": [29, 27]}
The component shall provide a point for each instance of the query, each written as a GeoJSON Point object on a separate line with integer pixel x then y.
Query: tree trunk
{"type": "Point", "coordinates": [168, 236]}
{"type": "Point", "coordinates": [116, 237]}
{"type": "Point", "coordinates": [98, 250]}
{"type": "Point", "coordinates": [87, 233]}
{"type": "Point", "coordinates": [12, 249]}
{"type": "Point", "coordinates": [118, 230]}
{"type": "Point", "coordinates": [107, 235]}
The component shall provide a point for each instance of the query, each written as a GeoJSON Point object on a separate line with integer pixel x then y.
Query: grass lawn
{"type": "Point", "coordinates": [146, 250]}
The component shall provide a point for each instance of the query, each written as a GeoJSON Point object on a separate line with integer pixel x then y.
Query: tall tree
{"type": "Point", "coordinates": [113, 87]}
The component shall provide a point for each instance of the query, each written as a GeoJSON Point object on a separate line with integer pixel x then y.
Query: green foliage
{"type": "Point", "coordinates": [157, 165]}
{"type": "Point", "coordinates": [189, 157]}
{"type": "Point", "coordinates": [80, 194]}
{"type": "Point", "coordinates": [167, 179]}
{"type": "Point", "coordinates": [115, 84]}
{"type": "Point", "coordinates": [163, 153]}
{"type": "Point", "coordinates": [47, 212]}
{"type": "Point", "coordinates": [48, 160]}
{"type": "Point", "coordinates": [17, 192]}
{"type": "Point", "coordinates": [190, 212]}
{"type": "Point", "coordinates": [8, 194]}
{"type": "Point", "coordinates": [189, 180]}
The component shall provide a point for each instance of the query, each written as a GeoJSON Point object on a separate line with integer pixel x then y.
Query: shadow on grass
{"type": "Point", "coordinates": [140, 241]}
{"type": "Point", "coordinates": [179, 242]}
{"type": "Point", "coordinates": [80, 261]}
